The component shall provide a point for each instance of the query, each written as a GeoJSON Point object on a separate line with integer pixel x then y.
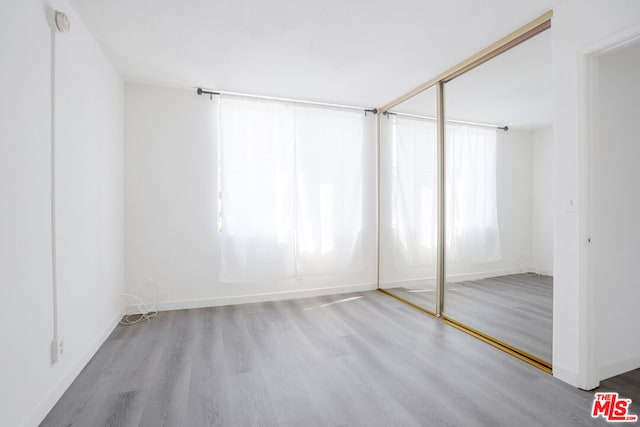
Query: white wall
{"type": "Point", "coordinates": [171, 206]}
{"type": "Point", "coordinates": [616, 234]}
{"type": "Point", "coordinates": [542, 202]}
{"type": "Point", "coordinates": [576, 27]}
{"type": "Point", "coordinates": [90, 231]}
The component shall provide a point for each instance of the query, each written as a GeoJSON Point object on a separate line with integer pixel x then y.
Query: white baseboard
{"type": "Point", "coordinates": [452, 278]}
{"type": "Point", "coordinates": [49, 402]}
{"type": "Point", "coordinates": [565, 375]}
{"type": "Point", "coordinates": [269, 296]}
{"type": "Point", "coordinates": [619, 367]}
{"type": "Point", "coordinates": [484, 274]}
{"type": "Point", "coordinates": [426, 281]}
{"type": "Point", "coordinates": [541, 272]}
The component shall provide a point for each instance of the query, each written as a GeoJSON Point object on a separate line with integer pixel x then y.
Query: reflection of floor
{"type": "Point", "coordinates": [516, 309]}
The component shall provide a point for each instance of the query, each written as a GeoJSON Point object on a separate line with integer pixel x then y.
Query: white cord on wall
{"type": "Point", "coordinates": [60, 25]}
{"type": "Point", "coordinates": [142, 310]}
{"type": "Point", "coordinates": [52, 188]}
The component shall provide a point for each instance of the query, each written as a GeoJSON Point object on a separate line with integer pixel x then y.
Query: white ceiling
{"type": "Point", "coordinates": [361, 52]}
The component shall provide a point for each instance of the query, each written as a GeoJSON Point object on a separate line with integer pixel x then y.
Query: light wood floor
{"type": "Point", "coordinates": [516, 309]}
{"type": "Point", "coordinates": [360, 359]}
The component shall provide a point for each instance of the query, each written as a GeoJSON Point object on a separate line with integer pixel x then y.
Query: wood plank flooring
{"type": "Point", "coordinates": [516, 309]}
{"type": "Point", "coordinates": [360, 359]}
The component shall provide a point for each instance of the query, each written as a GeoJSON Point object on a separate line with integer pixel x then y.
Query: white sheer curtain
{"type": "Point", "coordinates": [257, 178]}
{"type": "Point", "coordinates": [329, 187]}
{"type": "Point", "coordinates": [472, 231]}
{"type": "Point", "coordinates": [291, 190]}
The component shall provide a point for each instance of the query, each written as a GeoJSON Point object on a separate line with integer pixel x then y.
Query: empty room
{"type": "Point", "coordinates": [318, 213]}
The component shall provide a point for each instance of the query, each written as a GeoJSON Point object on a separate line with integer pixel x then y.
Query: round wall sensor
{"type": "Point", "coordinates": [62, 22]}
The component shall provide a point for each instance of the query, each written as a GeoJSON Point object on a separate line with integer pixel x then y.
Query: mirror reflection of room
{"type": "Point", "coordinates": [499, 197]}
{"type": "Point", "coordinates": [408, 194]}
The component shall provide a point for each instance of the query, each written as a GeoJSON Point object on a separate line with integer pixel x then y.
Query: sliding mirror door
{"type": "Point", "coordinates": [498, 227]}
{"type": "Point", "coordinates": [408, 200]}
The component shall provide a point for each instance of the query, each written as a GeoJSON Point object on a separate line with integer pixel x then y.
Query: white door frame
{"type": "Point", "coordinates": [588, 143]}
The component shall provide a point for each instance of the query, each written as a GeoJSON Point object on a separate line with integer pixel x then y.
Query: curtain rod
{"type": "Point", "coordinates": [201, 91]}
{"type": "Point", "coordinates": [415, 116]}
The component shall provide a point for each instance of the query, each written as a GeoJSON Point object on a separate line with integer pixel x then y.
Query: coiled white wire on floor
{"type": "Point", "coordinates": [142, 310]}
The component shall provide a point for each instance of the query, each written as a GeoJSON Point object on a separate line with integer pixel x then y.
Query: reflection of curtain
{"type": "Point", "coordinates": [472, 219]}
{"type": "Point", "coordinates": [414, 212]}
{"type": "Point", "coordinates": [291, 190]}
{"type": "Point", "coordinates": [472, 234]}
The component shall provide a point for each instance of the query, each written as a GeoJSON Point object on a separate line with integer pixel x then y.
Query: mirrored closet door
{"type": "Point", "coordinates": [466, 227]}
{"type": "Point", "coordinates": [408, 195]}
{"type": "Point", "coordinates": [499, 241]}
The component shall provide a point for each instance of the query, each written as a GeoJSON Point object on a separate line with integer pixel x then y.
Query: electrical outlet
{"type": "Point", "coordinates": [57, 349]}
